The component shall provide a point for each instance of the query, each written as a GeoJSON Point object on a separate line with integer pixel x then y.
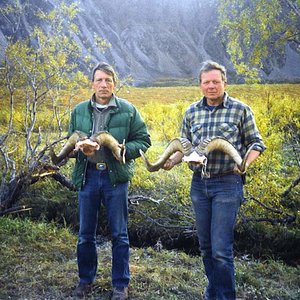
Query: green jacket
{"type": "Point", "coordinates": [124, 122]}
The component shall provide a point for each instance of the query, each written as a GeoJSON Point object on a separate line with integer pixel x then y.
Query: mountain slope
{"type": "Point", "coordinates": [152, 40]}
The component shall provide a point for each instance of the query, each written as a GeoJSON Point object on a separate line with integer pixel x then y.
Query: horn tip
{"type": "Point", "coordinates": [142, 153]}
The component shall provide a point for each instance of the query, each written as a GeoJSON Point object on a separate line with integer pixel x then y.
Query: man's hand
{"type": "Point", "coordinates": [238, 171]}
{"type": "Point", "coordinates": [72, 154]}
{"type": "Point", "coordinates": [252, 156]}
{"type": "Point", "coordinates": [169, 164]}
{"type": "Point", "coordinates": [87, 146]}
{"type": "Point", "coordinates": [122, 152]}
{"type": "Point", "coordinates": [173, 160]}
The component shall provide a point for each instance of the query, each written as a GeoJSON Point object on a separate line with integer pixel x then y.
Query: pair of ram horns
{"type": "Point", "coordinates": [197, 154]}
{"type": "Point", "coordinates": [88, 145]}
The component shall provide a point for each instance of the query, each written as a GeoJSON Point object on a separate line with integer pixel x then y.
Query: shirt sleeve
{"type": "Point", "coordinates": [250, 132]}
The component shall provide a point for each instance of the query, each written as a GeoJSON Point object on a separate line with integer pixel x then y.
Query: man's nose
{"type": "Point", "coordinates": [103, 83]}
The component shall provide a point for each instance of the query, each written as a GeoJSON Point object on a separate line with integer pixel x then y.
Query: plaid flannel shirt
{"type": "Point", "coordinates": [232, 120]}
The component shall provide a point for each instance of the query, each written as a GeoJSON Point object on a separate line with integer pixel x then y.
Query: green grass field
{"type": "Point", "coordinates": [38, 262]}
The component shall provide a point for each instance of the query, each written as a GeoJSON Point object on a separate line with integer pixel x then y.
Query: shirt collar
{"type": "Point", "coordinates": [111, 103]}
{"type": "Point", "coordinates": [225, 103]}
{"type": "Point", "coordinates": [226, 100]}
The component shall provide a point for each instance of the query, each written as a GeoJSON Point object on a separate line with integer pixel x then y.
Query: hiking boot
{"type": "Point", "coordinates": [119, 293]}
{"type": "Point", "coordinates": [82, 290]}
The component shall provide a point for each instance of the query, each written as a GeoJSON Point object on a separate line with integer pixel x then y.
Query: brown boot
{"type": "Point", "coordinates": [120, 293]}
{"type": "Point", "coordinates": [82, 290]}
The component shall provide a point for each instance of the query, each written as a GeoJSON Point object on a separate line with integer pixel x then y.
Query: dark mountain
{"type": "Point", "coordinates": [154, 39]}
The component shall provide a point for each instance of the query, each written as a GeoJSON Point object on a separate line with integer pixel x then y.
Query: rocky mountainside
{"type": "Point", "coordinates": [154, 39]}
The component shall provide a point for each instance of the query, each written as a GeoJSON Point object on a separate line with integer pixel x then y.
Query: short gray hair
{"type": "Point", "coordinates": [106, 68]}
{"type": "Point", "coordinates": [210, 65]}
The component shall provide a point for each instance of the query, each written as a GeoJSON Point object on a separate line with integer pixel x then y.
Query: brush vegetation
{"type": "Point", "coordinates": [39, 85]}
{"type": "Point", "coordinates": [38, 262]}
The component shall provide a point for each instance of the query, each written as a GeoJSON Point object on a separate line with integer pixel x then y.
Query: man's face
{"type": "Point", "coordinates": [213, 86]}
{"type": "Point", "coordinates": [103, 85]}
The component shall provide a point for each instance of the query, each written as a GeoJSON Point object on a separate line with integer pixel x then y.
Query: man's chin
{"type": "Point", "coordinates": [214, 97]}
{"type": "Point", "coordinates": [104, 97]}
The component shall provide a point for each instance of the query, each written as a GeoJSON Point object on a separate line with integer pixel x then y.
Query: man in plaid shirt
{"type": "Point", "coordinates": [217, 195]}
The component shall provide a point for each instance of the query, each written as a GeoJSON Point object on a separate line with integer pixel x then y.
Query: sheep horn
{"type": "Point", "coordinates": [204, 148]}
{"type": "Point", "coordinates": [67, 148]}
{"type": "Point", "coordinates": [219, 143]}
{"type": "Point", "coordinates": [177, 144]}
{"type": "Point", "coordinates": [242, 167]}
{"type": "Point", "coordinates": [104, 138]}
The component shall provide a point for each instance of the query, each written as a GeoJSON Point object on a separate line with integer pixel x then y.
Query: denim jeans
{"type": "Point", "coordinates": [216, 202]}
{"type": "Point", "coordinates": [96, 191]}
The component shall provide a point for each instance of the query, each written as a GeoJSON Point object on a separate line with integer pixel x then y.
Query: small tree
{"type": "Point", "coordinates": [36, 74]}
{"type": "Point", "coordinates": [253, 29]}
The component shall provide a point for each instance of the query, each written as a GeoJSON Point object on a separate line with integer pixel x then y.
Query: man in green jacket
{"type": "Point", "coordinates": [106, 182]}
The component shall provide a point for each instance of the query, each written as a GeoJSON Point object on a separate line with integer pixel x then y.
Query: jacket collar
{"type": "Point", "coordinates": [112, 102]}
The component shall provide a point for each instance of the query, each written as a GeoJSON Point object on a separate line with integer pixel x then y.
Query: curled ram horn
{"type": "Point", "coordinates": [67, 148]}
{"type": "Point", "coordinates": [198, 154]}
{"type": "Point", "coordinates": [221, 144]}
{"type": "Point", "coordinates": [104, 138]}
{"type": "Point", "coordinates": [177, 144]}
{"type": "Point", "coordinates": [242, 167]}
{"type": "Point", "coordinates": [79, 141]}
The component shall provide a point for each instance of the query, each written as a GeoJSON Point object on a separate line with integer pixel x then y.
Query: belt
{"type": "Point", "coordinates": [101, 166]}
{"type": "Point", "coordinates": [219, 174]}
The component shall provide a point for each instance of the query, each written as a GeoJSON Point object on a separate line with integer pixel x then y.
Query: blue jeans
{"type": "Point", "coordinates": [98, 189]}
{"type": "Point", "coordinates": [216, 202]}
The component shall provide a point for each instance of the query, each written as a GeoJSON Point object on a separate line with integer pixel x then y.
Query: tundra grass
{"type": "Point", "coordinates": [38, 262]}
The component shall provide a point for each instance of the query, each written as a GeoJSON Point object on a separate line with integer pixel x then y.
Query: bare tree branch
{"type": "Point", "coordinates": [157, 223]}
{"type": "Point", "coordinates": [15, 210]}
{"type": "Point", "coordinates": [289, 189]}
{"type": "Point", "coordinates": [134, 199]}
{"type": "Point", "coordinates": [64, 181]}
{"type": "Point", "coordinates": [294, 7]}
{"type": "Point", "coordinates": [286, 219]}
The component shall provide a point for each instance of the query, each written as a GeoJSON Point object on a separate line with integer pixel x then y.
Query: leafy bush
{"type": "Point", "coordinates": [274, 172]}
